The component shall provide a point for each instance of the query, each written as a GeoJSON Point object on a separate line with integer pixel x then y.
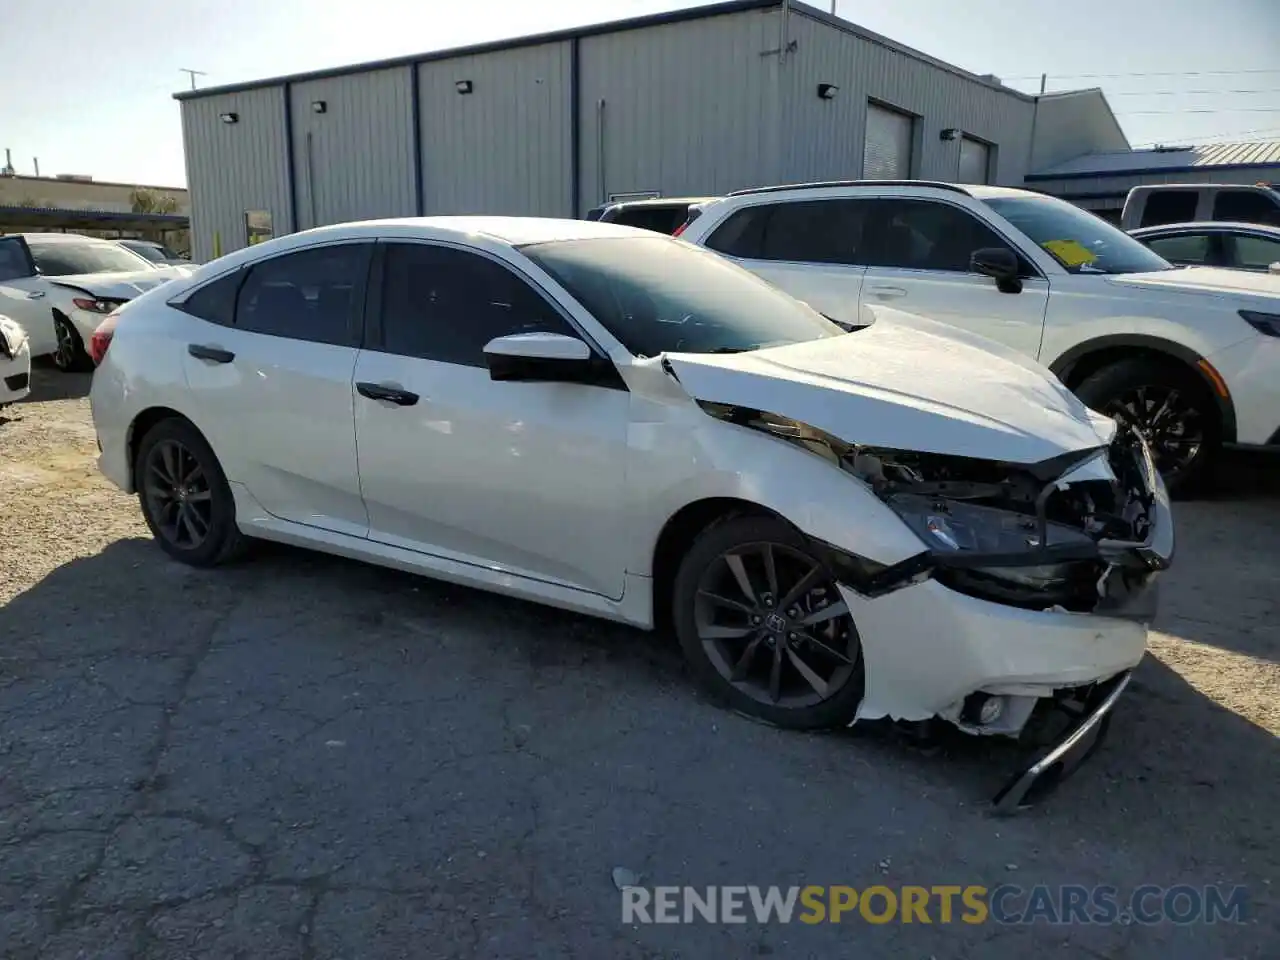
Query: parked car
{"type": "Point", "coordinates": [905, 521]}
{"type": "Point", "coordinates": [660, 214]}
{"type": "Point", "coordinates": [60, 286]}
{"type": "Point", "coordinates": [15, 363]}
{"type": "Point", "coordinates": [1190, 357]}
{"type": "Point", "coordinates": [1237, 246]}
{"type": "Point", "coordinates": [1154, 205]}
{"type": "Point", "coordinates": [154, 252]}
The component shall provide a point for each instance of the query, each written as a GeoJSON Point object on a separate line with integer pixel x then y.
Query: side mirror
{"type": "Point", "coordinates": [550, 357]}
{"type": "Point", "coordinates": [1000, 264]}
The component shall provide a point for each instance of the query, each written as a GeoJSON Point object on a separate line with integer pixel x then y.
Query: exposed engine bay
{"type": "Point", "coordinates": [1064, 534]}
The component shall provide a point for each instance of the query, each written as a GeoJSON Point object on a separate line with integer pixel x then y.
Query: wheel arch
{"type": "Point", "coordinates": [678, 535]}
{"type": "Point", "coordinates": [142, 425]}
{"type": "Point", "coordinates": [1087, 358]}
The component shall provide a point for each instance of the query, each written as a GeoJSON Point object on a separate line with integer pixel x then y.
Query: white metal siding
{"type": "Point", "coordinates": [360, 149]}
{"type": "Point", "coordinates": [234, 167]}
{"type": "Point", "coordinates": [504, 148]}
{"type": "Point", "coordinates": [975, 158]}
{"type": "Point", "coordinates": [886, 145]}
{"type": "Point", "coordinates": [689, 108]}
{"type": "Point", "coordinates": [823, 139]}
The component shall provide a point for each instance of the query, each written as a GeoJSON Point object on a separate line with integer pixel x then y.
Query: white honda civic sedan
{"type": "Point", "coordinates": [901, 520]}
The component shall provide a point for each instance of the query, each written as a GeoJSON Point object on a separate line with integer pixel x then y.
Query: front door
{"type": "Point", "coordinates": [270, 360]}
{"type": "Point", "coordinates": [523, 478]}
{"type": "Point", "coordinates": [24, 296]}
{"type": "Point", "coordinates": [917, 254]}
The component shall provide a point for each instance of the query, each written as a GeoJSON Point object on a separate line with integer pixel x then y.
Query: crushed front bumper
{"type": "Point", "coordinates": [1074, 746]}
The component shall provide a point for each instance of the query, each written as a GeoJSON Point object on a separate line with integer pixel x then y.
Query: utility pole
{"type": "Point", "coordinates": [193, 74]}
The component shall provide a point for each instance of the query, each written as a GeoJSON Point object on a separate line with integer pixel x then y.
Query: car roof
{"type": "Point", "coordinates": [657, 202]}
{"type": "Point", "coordinates": [1202, 226]}
{"type": "Point", "coordinates": [515, 231]}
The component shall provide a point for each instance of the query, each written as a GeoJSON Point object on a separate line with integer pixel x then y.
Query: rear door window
{"type": "Point", "coordinates": [1169, 206]}
{"type": "Point", "coordinates": [1256, 253]}
{"type": "Point", "coordinates": [807, 231]}
{"type": "Point", "coordinates": [315, 294]}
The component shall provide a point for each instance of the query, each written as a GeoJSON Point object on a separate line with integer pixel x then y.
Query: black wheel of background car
{"type": "Point", "coordinates": [1172, 410]}
{"type": "Point", "coordinates": [764, 627]}
{"type": "Point", "coordinates": [185, 497]}
{"type": "Point", "coordinates": [70, 355]}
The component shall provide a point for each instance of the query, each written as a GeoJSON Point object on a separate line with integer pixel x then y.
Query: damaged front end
{"type": "Point", "coordinates": [1084, 533]}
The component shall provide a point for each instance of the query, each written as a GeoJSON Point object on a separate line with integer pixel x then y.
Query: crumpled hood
{"type": "Point", "coordinates": [121, 286]}
{"type": "Point", "coordinates": [1203, 280]}
{"type": "Point", "coordinates": [906, 383]}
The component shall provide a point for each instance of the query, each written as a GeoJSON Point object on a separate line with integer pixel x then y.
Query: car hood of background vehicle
{"type": "Point", "coordinates": [906, 383]}
{"type": "Point", "coordinates": [121, 286]}
{"type": "Point", "coordinates": [1203, 280]}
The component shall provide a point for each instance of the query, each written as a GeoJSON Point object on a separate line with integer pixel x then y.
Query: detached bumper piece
{"type": "Point", "coordinates": [19, 381]}
{"type": "Point", "coordinates": [1084, 735]}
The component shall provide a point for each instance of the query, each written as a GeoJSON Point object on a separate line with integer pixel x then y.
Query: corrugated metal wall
{"type": "Point", "coordinates": [234, 167]}
{"type": "Point", "coordinates": [823, 138]}
{"type": "Point", "coordinates": [697, 107]}
{"type": "Point", "coordinates": [355, 160]}
{"type": "Point", "coordinates": [689, 108]}
{"type": "Point", "coordinates": [505, 147]}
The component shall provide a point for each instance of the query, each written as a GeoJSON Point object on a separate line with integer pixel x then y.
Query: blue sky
{"type": "Point", "coordinates": [90, 80]}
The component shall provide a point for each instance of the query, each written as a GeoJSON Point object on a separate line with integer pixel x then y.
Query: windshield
{"type": "Point", "coordinates": [1076, 238]}
{"type": "Point", "coordinates": [65, 258]}
{"type": "Point", "coordinates": [150, 251]}
{"type": "Point", "coordinates": [656, 295]}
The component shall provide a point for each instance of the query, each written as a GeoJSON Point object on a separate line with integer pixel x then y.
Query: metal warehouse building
{"type": "Point", "coordinates": [1101, 181]}
{"type": "Point", "coordinates": [694, 102]}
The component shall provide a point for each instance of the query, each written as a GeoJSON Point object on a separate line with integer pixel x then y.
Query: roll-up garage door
{"type": "Point", "coordinates": [974, 160]}
{"type": "Point", "coordinates": [886, 150]}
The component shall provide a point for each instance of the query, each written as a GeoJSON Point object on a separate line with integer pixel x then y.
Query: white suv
{"type": "Point", "coordinates": [1190, 356]}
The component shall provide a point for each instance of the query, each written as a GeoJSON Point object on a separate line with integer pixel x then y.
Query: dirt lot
{"type": "Point", "coordinates": [303, 757]}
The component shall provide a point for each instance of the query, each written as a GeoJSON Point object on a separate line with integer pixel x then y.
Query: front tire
{"type": "Point", "coordinates": [764, 628]}
{"type": "Point", "coordinates": [70, 355]}
{"type": "Point", "coordinates": [1170, 407]}
{"type": "Point", "coordinates": [185, 498]}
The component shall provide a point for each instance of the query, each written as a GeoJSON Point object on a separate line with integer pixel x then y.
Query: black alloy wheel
{"type": "Point", "coordinates": [178, 495]}
{"type": "Point", "coordinates": [765, 627]}
{"type": "Point", "coordinates": [184, 495]}
{"type": "Point", "coordinates": [70, 355]}
{"type": "Point", "coordinates": [1173, 413]}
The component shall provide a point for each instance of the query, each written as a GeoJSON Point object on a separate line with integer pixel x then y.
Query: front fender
{"type": "Point", "coordinates": [694, 457]}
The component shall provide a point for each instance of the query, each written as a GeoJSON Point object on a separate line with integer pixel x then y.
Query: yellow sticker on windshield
{"type": "Point", "coordinates": [1072, 253]}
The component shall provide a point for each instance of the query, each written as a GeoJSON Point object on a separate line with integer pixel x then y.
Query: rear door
{"type": "Point", "coordinates": [269, 363]}
{"type": "Point", "coordinates": [805, 247]}
{"type": "Point", "coordinates": [917, 253]}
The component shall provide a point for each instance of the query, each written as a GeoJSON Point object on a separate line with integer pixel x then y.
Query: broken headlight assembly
{"type": "Point", "coordinates": [1038, 536]}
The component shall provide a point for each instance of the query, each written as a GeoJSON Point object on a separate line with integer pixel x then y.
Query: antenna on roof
{"type": "Point", "coordinates": [193, 74]}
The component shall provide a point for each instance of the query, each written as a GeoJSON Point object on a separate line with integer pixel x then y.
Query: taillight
{"type": "Point", "coordinates": [94, 305]}
{"type": "Point", "coordinates": [694, 214]}
{"type": "Point", "coordinates": [680, 229]}
{"type": "Point", "coordinates": [101, 339]}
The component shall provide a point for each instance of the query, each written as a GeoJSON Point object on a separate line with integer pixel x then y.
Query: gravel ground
{"type": "Point", "coordinates": [301, 757]}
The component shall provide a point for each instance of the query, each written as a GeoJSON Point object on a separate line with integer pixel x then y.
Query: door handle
{"type": "Point", "coordinates": [35, 294]}
{"type": "Point", "coordinates": [381, 391]}
{"type": "Point", "coordinates": [216, 354]}
{"type": "Point", "coordinates": [887, 293]}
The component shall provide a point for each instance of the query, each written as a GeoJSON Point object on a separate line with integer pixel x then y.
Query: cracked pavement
{"type": "Point", "coordinates": [303, 757]}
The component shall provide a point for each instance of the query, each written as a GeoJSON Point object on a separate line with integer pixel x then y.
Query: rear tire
{"type": "Point", "coordinates": [185, 498]}
{"type": "Point", "coordinates": [782, 647]}
{"type": "Point", "coordinates": [1171, 408]}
